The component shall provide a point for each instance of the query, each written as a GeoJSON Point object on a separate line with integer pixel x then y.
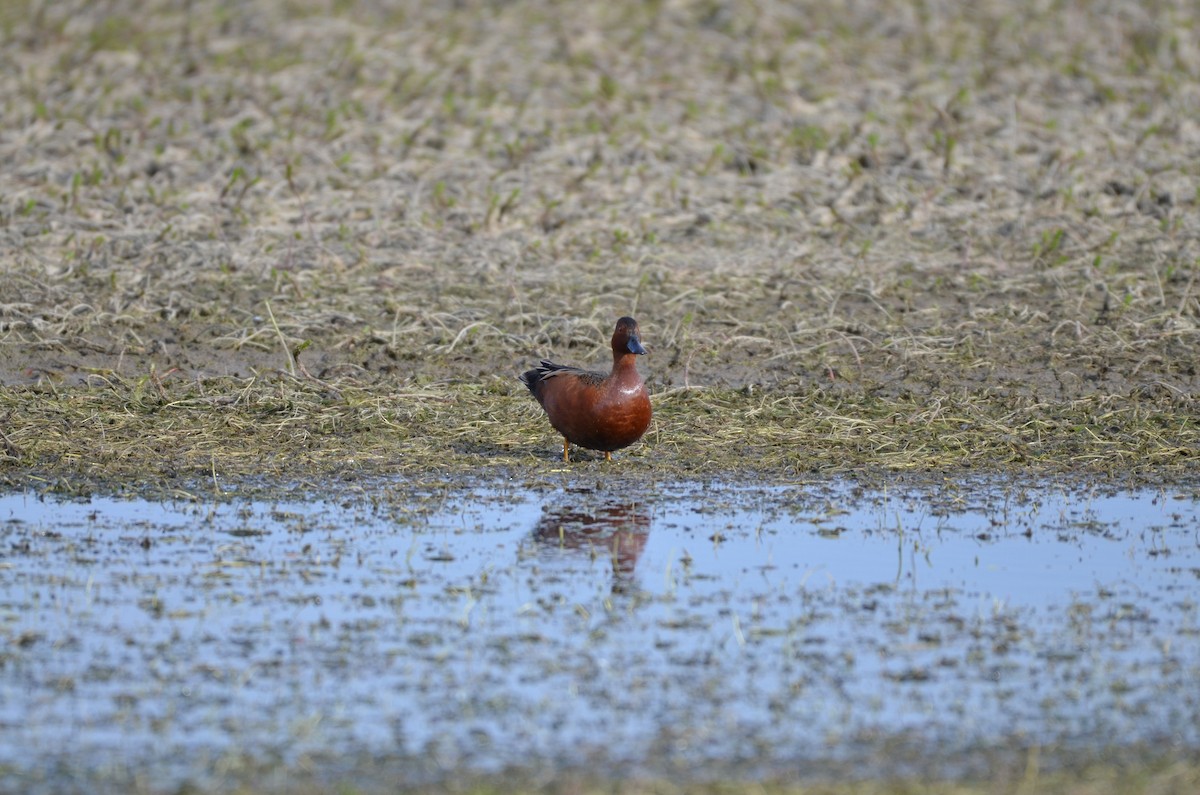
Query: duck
{"type": "Point", "coordinates": [591, 409]}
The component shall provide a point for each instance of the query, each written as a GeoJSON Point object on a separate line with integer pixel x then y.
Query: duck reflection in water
{"type": "Point", "coordinates": [619, 531]}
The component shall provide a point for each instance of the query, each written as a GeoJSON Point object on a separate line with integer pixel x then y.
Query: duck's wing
{"type": "Point", "coordinates": [548, 369]}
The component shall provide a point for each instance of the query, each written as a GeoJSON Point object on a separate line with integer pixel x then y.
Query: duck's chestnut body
{"type": "Point", "coordinates": [594, 410]}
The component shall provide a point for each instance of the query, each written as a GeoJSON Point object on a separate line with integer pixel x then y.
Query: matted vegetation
{"type": "Point", "coordinates": [295, 239]}
{"type": "Point", "coordinates": [211, 437]}
{"type": "Point", "coordinates": [1155, 778]}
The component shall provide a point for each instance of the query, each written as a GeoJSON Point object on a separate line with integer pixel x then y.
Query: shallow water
{"type": "Point", "coordinates": [710, 630]}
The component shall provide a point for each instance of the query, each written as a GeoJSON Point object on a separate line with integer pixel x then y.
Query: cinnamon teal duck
{"type": "Point", "coordinates": [594, 410]}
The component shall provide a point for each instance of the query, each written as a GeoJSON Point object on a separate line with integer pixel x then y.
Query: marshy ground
{"type": "Point", "coordinates": [301, 250]}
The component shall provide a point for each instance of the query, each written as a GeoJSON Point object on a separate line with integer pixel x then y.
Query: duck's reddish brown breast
{"type": "Point", "coordinates": [599, 416]}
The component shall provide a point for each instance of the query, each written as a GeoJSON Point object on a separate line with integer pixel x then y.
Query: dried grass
{"type": "Point", "coordinates": [302, 239]}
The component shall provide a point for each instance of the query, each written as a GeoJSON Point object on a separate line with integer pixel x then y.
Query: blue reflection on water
{"type": "Point", "coordinates": [770, 627]}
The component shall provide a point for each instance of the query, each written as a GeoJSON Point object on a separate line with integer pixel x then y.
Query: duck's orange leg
{"type": "Point", "coordinates": [566, 454]}
{"type": "Point", "coordinates": [607, 456]}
